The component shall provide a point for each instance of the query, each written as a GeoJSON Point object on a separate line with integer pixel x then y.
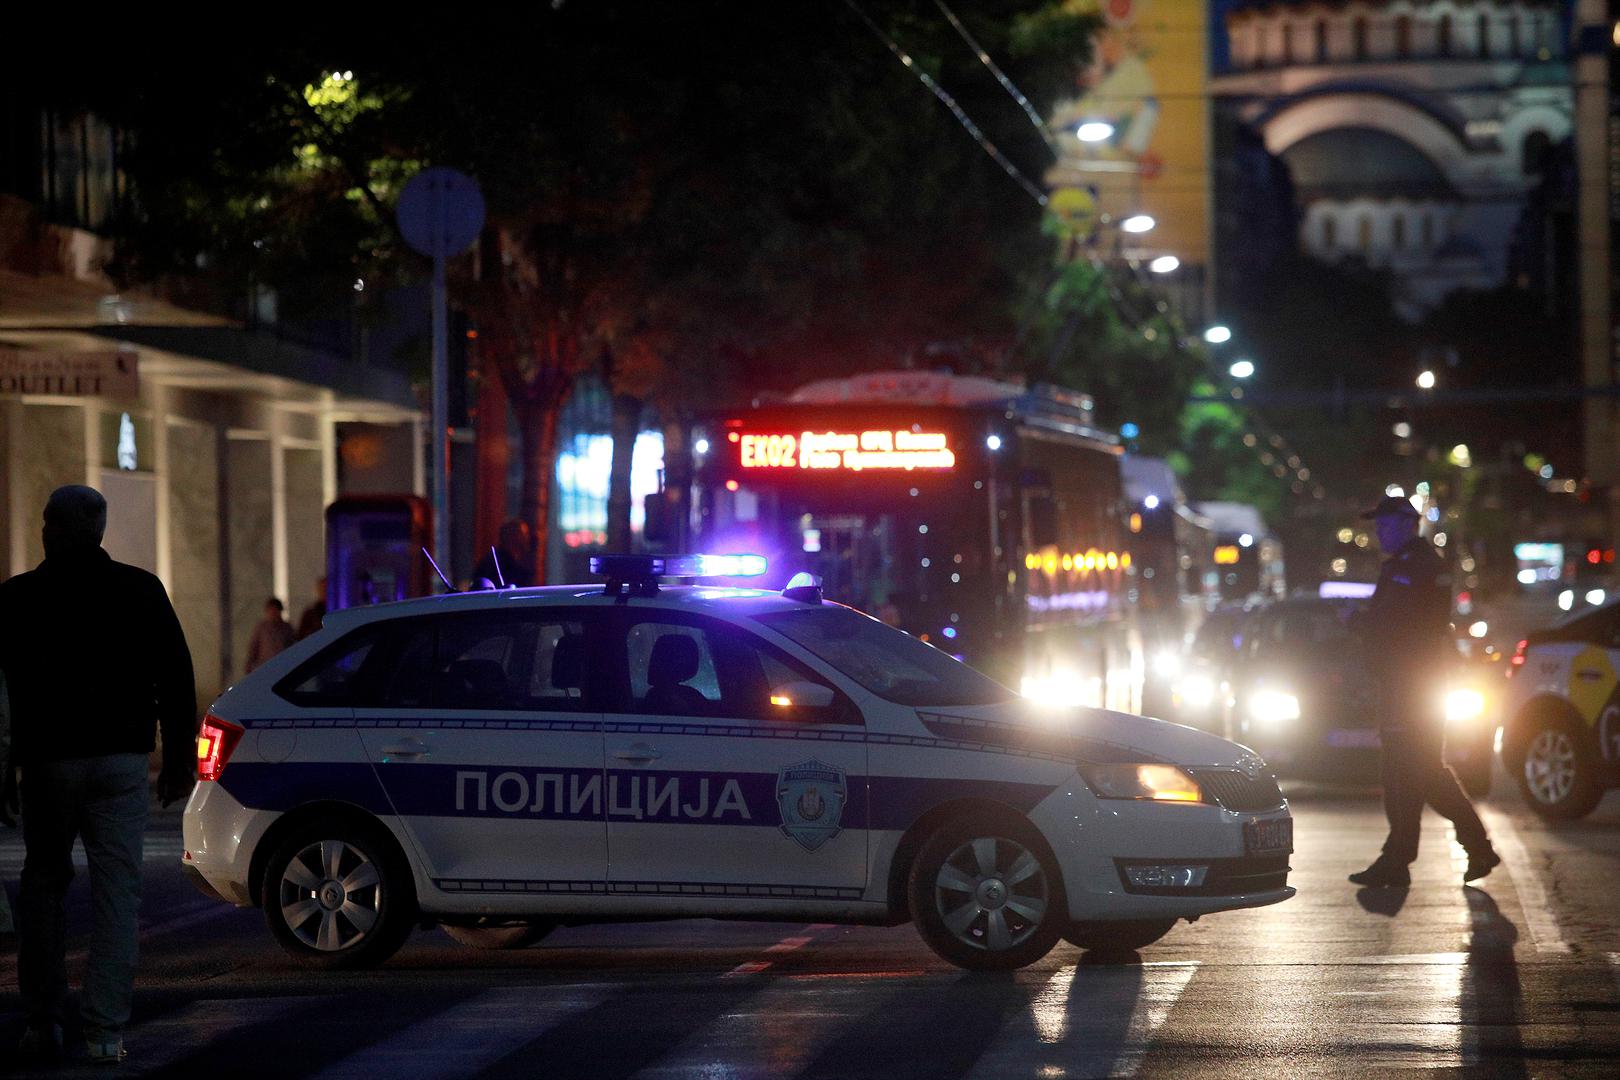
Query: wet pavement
{"type": "Point", "coordinates": [1518, 977]}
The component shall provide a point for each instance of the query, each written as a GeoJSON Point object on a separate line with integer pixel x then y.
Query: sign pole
{"type": "Point", "coordinates": [441, 418]}
{"type": "Point", "coordinates": [440, 213]}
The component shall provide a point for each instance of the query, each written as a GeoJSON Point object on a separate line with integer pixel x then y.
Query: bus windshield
{"type": "Point", "coordinates": [891, 664]}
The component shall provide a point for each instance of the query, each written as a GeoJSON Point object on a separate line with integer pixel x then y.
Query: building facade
{"type": "Point", "coordinates": [1414, 132]}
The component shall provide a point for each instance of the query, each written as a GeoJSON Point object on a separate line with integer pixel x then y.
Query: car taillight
{"type": "Point", "coordinates": [1518, 658]}
{"type": "Point", "coordinates": [215, 741]}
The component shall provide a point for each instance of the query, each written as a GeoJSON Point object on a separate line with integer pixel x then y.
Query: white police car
{"type": "Point", "coordinates": [503, 762]}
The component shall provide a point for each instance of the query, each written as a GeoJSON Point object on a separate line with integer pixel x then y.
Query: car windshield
{"type": "Point", "coordinates": [888, 662]}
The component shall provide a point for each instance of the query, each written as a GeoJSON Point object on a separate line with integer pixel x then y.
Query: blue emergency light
{"type": "Point", "coordinates": [640, 573]}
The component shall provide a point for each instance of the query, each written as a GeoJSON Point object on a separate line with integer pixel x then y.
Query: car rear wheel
{"type": "Point", "coordinates": [495, 935]}
{"type": "Point", "coordinates": [986, 893]}
{"type": "Point", "coordinates": [1117, 937]}
{"type": "Point", "coordinates": [1556, 776]}
{"type": "Point", "coordinates": [338, 895]}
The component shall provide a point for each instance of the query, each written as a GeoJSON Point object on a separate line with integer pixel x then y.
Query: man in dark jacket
{"type": "Point", "coordinates": [95, 660]}
{"type": "Point", "coordinates": [1408, 642]}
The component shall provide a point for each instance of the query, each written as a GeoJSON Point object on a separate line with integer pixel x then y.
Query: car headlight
{"type": "Point", "coordinates": [1161, 783]}
{"type": "Point", "coordinates": [1464, 705]}
{"type": "Point", "coordinates": [1197, 691]}
{"type": "Point", "coordinates": [1167, 664]}
{"type": "Point", "coordinates": [1273, 707]}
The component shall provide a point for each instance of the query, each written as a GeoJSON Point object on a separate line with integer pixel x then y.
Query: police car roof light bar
{"type": "Point", "coordinates": [637, 575]}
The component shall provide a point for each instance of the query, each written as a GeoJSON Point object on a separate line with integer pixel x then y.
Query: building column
{"type": "Point", "coordinates": [162, 527]}
{"type": "Point", "coordinates": [278, 503]}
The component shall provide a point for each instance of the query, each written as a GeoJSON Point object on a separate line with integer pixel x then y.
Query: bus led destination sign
{"type": "Point", "coordinates": [846, 450]}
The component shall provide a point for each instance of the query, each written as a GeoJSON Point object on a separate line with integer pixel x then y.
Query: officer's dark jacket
{"type": "Point", "coordinates": [1407, 623]}
{"type": "Point", "coordinates": [95, 660]}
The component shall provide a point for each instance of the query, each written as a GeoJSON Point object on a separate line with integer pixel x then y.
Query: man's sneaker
{"type": "Point", "coordinates": [105, 1051]}
{"type": "Point", "coordinates": [1481, 863]}
{"type": "Point", "coordinates": [1383, 874]}
{"type": "Point", "coordinates": [41, 1044]}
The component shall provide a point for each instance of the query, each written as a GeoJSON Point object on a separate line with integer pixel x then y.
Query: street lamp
{"type": "Point", "coordinates": [1218, 335]}
{"type": "Point", "coordinates": [1241, 369]}
{"type": "Point", "coordinates": [1164, 264]}
{"type": "Point", "coordinates": [1094, 131]}
{"type": "Point", "coordinates": [1138, 223]}
{"type": "Point", "coordinates": [1425, 380]}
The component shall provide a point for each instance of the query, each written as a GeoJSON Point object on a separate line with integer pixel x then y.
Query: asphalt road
{"type": "Point", "coordinates": [1519, 977]}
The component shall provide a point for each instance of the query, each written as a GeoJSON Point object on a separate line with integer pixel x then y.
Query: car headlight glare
{"type": "Point", "coordinates": [1274, 707]}
{"type": "Point", "coordinates": [1197, 691]}
{"type": "Point", "coordinates": [1167, 664]}
{"type": "Point", "coordinates": [1159, 783]}
{"type": "Point", "coordinates": [1464, 705]}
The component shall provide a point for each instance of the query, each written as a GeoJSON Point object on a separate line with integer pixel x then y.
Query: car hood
{"type": "Point", "coordinates": [1089, 735]}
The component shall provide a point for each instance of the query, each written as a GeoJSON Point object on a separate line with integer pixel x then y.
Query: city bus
{"type": "Point", "coordinates": [980, 516]}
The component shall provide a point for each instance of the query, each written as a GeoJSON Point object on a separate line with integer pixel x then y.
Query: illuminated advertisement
{"type": "Point", "coordinates": [1134, 135]}
{"type": "Point", "coordinates": [849, 451]}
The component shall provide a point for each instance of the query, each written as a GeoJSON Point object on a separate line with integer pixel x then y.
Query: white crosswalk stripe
{"type": "Point", "coordinates": [1067, 1031]}
{"type": "Point", "coordinates": [157, 847]}
{"type": "Point", "coordinates": [469, 1036]}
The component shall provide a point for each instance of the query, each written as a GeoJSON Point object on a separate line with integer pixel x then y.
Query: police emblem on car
{"type": "Point", "coordinates": [811, 796]}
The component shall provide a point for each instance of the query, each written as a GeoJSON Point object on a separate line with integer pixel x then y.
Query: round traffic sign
{"type": "Point", "coordinates": [440, 212]}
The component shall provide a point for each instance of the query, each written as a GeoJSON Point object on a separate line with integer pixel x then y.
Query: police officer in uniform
{"type": "Point", "coordinates": [1408, 642]}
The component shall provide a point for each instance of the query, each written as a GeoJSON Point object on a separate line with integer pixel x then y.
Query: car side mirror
{"type": "Point", "coordinates": [802, 694]}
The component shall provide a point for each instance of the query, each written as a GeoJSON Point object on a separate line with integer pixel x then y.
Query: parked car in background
{"type": "Point", "coordinates": [1561, 739]}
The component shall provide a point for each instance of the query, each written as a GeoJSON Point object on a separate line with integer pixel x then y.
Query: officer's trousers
{"type": "Point", "coordinates": [1415, 774]}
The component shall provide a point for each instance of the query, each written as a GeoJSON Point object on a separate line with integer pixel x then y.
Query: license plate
{"type": "Point", "coordinates": [1353, 738]}
{"type": "Point", "coordinates": [1273, 837]}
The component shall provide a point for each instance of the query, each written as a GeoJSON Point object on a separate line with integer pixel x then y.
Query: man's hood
{"type": "Point", "coordinates": [1090, 735]}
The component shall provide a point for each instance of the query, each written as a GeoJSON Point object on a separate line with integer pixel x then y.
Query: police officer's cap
{"type": "Point", "coordinates": [1392, 506]}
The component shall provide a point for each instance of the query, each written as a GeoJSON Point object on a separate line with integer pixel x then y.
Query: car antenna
{"type": "Point", "coordinates": [447, 586]}
{"type": "Point", "coordinates": [500, 578]}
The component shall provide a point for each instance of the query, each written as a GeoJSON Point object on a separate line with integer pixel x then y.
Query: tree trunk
{"type": "Point", "coordinates": [537, 421]}
{"type": "Point", "coordinates": [492, 454]}
{"type": "Point", "coordinates": [626, 426]}
{"type": "Point", "coordinates": [678, 481]}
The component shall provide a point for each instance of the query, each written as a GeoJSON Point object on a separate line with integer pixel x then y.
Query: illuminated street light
{"type": "Point", "coordinates": [1218, 335]}
{"type": "Point", "coordinates": [1151, 502]}
{"type": "Point", "coordinates": [1242, 369]}
{"type": "Point", "coordinates": [1164, 264]}
{"type": "Point", "coordinates": [1425, 380]}
{"type": "Point", "coordinates": [1403, 430]}
{"type": "Point", "coordinates": [993, 442]}
{"type": "Point", "coordinates": [701, 446]}
{"type": "Point", "coordinates": [1138, 223]}
{"type": "Point", "coordinates": [1095, 131]}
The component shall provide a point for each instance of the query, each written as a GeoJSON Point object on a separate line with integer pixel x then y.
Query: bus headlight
{"type": "Point", "coordinates": [1464, 706]}
{"type": "Point", "coordinates": [1273, 707]}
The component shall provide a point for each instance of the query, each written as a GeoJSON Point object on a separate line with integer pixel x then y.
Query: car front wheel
{"type": "Point", "coordinates": [986, 893]}
{"type": "Point", "coordinates": [1556, 776]}
{"type": "Point", "coordinates": [338, 896]}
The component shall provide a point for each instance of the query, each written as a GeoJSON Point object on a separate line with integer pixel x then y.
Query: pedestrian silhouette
{"type": "Point", "coordinates": [271, 635]}
{"type": "Point", "coordinates": [95, 662]}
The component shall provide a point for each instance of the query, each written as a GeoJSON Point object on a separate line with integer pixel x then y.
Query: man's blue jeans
{"type": "Point", "coordinates": [104, 800]}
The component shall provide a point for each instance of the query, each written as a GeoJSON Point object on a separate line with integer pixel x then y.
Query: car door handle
{"type": "Point", "coordinates": [639, 752]}
{"type": "Point", "coordinates": [408, 748]}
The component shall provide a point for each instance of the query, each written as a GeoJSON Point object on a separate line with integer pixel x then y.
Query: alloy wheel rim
{"type": "Point", "coordinates": [1549, 767]}
{"type": "Point", "coordinates": [331, 895]}
{"type": "Point", "coordinates": [991, 893]}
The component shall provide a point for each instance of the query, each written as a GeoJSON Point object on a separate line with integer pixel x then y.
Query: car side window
{"type": "Point", "coordinates": [709, 668]}
{"type": "Point", "coordinates": [514, 661]}
{"type": "Point", "coordinates": [337, 675]}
